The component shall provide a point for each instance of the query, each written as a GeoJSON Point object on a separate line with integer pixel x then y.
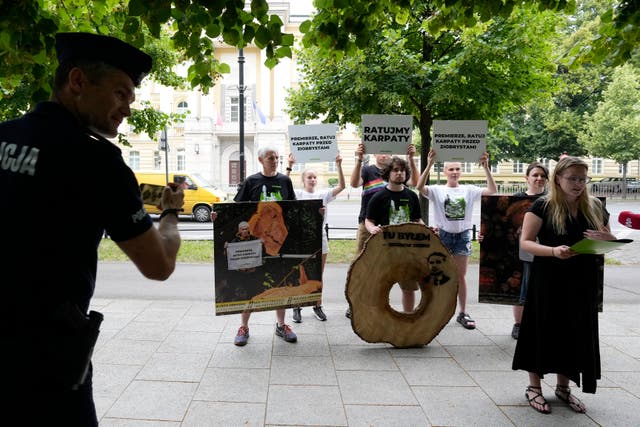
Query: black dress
{"type": "Point", "coordinates": [559, 330]}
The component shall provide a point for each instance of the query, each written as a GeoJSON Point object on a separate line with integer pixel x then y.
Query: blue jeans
{"type": "Point", "coordinates": [457, 243]}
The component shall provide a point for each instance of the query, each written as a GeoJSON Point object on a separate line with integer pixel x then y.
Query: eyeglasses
{"type": "Point", "coordinates": [578, 179]}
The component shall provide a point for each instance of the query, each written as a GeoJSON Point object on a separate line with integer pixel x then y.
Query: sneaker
{"type": "Point", "coordinates": [348, 313]}
{"type": "Point", "coordinates": [515, 331]}
{"type": "Point", "coordinates": [286, 333]}
{"type": "Point", "coordinates": [242, 336]}
{"type": "Point", "coordinates": [319, 313]}
{"type": "Point", "coordinates": [297, 316]}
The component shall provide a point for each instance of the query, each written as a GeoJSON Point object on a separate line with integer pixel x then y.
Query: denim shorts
{"type": "Point", "coordinates": [457, 243]}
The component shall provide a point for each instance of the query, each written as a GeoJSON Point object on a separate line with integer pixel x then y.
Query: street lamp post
{"type": "Point", "coordinates": [241, 88]}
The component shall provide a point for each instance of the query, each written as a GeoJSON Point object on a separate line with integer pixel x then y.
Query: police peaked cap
{"type": "Point", "coordinates": [135, 63]}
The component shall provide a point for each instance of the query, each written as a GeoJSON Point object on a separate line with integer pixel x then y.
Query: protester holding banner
{"type": "Point", "coordinates": [453, 207]}
{"type": "Point", "coordinates": [559, 331]}
{"type": "Point", "coordinates": [395, 204]}
{"type": "Point", "coordinates": [537, 177]}
{"type": "Point", "coordinates": [369, 177]}
{"type": "Point", "coordinates": [308, 192]}
{"type": "Point", "coordinates": [267, 185]}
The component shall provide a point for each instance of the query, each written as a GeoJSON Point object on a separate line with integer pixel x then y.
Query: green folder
{"type": "Point", "coordinates": [597, 247]}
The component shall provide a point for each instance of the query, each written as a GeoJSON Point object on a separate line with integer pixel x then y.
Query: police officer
{"type": "Point", "coordinates": [63, 185]}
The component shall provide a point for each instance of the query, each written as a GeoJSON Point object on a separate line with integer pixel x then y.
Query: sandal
{"type": "Point", "coordinates": [465, 320]}
{"type": "Point", "coordinates": [563, 393]}
{"type": "Point", "coordinates": [537, 399]}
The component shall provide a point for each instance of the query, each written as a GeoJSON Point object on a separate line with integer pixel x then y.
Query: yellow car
{"type": "Point", "coordinates": [199, 194]}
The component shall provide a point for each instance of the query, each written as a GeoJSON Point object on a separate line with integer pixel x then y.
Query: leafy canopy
{"type": "Point", "coordinates": [613, 130]}
{"type": "Point", "coordinates": [171, 31]}
{"type": "Point", "coordinates": [479, 72]}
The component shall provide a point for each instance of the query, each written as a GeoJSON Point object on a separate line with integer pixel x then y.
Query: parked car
{"type": "Point", "coordinates": [614, 185]}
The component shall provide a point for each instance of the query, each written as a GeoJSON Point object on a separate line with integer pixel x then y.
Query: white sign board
{"type": "Point", "coordinates": [313, 143]}
{"type": "Point", "coordinates": [459, 140]}
{"type": "Point", "coordinates": [246, 254]}
{"type": "Point", "coordinates": [386, 133]}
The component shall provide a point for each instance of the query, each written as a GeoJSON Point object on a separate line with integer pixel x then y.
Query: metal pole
{"type": "Point", "coordinates": [164, 142]}
{"type": "Point", "coordinates": [241, 89]}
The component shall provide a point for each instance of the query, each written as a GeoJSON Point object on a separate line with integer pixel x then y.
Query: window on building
{"type": "Point", "coordinates": [233, 109]}
{"type": "Point", "coordinates": [545, 162]}
{"type": "Point", "coordinates": [332, 167]}
{"type": "Point", "coordinates": [597, 166]}
{"type": "Point", "coordinates": [467, 167]}
{"type": "Point", "coordinates": [518, 167]}
{"type": "Point", "coordinates": [494, 167]}
{"type": "Point", "coordinates": [181, 163]}
{"type": "Point", "coordinates": [134, 160]}
{"type": "Point", "coordinates": [621, 168]}
{"type": "Point", "coordinates": [297, 167]}
{"type": "Point", "coordinates": [183, 107]}
{"type": "Point", "coordinates": [157, 160]}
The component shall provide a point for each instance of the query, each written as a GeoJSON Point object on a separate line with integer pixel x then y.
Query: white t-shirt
{"type": "Point", "coordinates": [326, 196]}
{"type": "Point", "coordinates": [453, 206]}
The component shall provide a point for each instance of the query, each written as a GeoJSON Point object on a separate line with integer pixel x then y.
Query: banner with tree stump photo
{"type": "Point", "coordinates": [267, 255]}
{"type": "Point", "coordinates": [500, 264]}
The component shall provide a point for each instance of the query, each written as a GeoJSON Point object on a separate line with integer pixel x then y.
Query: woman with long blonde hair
{"type": "Point", "coordinates": [559, 330]}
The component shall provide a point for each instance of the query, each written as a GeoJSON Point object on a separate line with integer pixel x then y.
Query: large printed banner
{"type": "Point", "coordinates": [386, 133]}
{"type": "Point", "coordinates": [459, 140]}
{"type": "Point", "coordinates": [268, 255]}
{"type": "Point", "coordinates": [500, 265]}
{"type": "Point", "coordinates": [313, 143]}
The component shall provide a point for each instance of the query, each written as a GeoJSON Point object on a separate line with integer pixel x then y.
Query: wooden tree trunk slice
{"type": "Point", "coordinates": [403, 252]}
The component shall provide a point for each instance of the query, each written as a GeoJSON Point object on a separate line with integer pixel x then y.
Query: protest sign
{"type": "Point", "coordinates": [386, 133]}
{"type": "Point", "coordinates": [459, 140]}
{"type": "Point", "coordinates": [244, 254]}
{"type": "Point", "coordinates": [313, 143]}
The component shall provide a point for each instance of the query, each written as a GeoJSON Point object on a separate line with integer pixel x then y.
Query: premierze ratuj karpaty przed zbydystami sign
{"type": "Point", "coordinates": [386, 134]}
{"type": "Point", "coordinates": [459, 140]}
{"type": "Point", "coordinates": [313, 143]}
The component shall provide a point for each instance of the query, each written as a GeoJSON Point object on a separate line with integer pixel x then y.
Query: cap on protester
{"type": "Point", "coordinates": [132, 61]}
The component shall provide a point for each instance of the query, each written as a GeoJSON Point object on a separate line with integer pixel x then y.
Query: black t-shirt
{"type": "Point", "coordinates": [393, 207]}
{"type": "Point", "coordinates": [258, 187]}
{"type": "Point", "coordinates": [63, 186]}
{"type": "Point", "coordinates": [372, 182]}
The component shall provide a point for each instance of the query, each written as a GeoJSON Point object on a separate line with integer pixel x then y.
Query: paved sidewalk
{"type": "Point", "coordinates": [166, 360]}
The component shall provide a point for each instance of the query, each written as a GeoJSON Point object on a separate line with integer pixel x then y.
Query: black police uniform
{"type": "Point", "coordinates": [62, 186]}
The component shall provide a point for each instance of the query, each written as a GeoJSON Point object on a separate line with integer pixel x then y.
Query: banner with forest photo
{"type": "Point", "coordinates": [267, 255]}
{"type": "Point", "coordinates": [500, 265]}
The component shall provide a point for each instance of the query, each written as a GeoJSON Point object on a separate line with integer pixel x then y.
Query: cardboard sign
{"type": "Point", "coordinates": [289, 273]}
{"type": "Point", "coordinates": [459, 140]}
{"type": "Point", "coordinates": [313, 143]}
{"type": "Point", "coordinates": [386, 133]}
{"type": "Point", "coordinates": [244, 254]}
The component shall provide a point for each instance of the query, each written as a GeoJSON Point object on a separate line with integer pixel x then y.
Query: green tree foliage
{"type": "Point", "coordinates": [171, 31]}
{"type": "Point", "coordinates": [480, 72]}
{"type": "Point", "coordinates": [345, 26]}
{"type": "Point", "coordinates": [544, 128]}
{"type": "Point", "coordinates": [613, 130]}
{"type": "Point", "coordinates": [617, 37]}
